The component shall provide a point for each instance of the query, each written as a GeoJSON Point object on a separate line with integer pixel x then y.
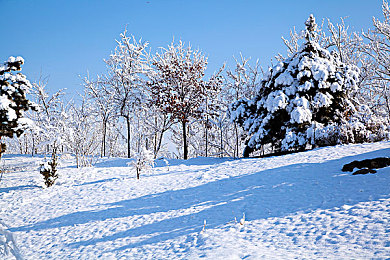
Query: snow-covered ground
{"type": "Point", "coordinates": [296, 206]}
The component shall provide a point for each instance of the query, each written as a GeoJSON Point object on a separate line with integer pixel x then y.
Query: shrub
{"type": "Point", "coordinates": [49, 170]}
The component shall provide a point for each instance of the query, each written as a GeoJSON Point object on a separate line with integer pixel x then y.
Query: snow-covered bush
{"type": "Point", "coordinates": [144, 161]}
{"type": "Point", "coordinates": [82, 138]}
{"type": "Point", "coordinates": [13, 101]}
{"type": "Point", "coordinates": [49, 170]}
{"type": "Point", "coordinates": [299, 97]}
{"type": "Point", "coordinates": [366, 126]}
{"type": "Point", "coordinates": [362, 126]}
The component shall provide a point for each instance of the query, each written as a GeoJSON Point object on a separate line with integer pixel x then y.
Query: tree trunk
{"type": "Point", "coordinates": [387, 103]}
{"type": "Point", "coordinates": [206, 133]}
{"type": "Point", "coordinates": [1, 148]}
{"type": "Point", "coordinates": [138, 138]}
{"type": "Point", "coordinates": [103, 151]}
{"type": "Point", "coordinates": [314, 137]}
{"type": "Point", "coordinates": [77, 158]}
{"type": "Point", "coordinates": [221, 142]}
{"type": "Point", "coordinates": [33, 145]}
{"type": "Point", "coordinates": [247, 151]}
{"type": "Point", "coordinates": [159, 137]}
{"type": "Point", "coordinates": [128, 137]}
{"type": "Point", "coordinates": [159, 144]}
{"type": "Point", "coordinates": [236, 144]}
{"type": "Point", "coordinates": [155, 145]}
{"type": "Point", "coordinates": [25, 144]}
{"type": "Point", "coordinates": [155, 136]}
{"type": "Point", "coordinates": [185, 146]}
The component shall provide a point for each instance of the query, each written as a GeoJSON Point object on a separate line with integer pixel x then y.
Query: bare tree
{"type": "Point", "coordinates": [126, 73]}
{"type": "Point", "coordinates": [158, 122]}
{"type": "Point", "coordinates": [241, 83]}
{"type": "Point", "coordinates": [82, 134]}
{"type": "Point", "coordinates": [50, 118]}
{"type": "Point", "coordinates": [378, 51]}
{"type": "Point", "coordinates": [103, 98]}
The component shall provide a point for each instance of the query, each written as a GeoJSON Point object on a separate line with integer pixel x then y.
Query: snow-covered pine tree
{"type": "Point", "coordinates": [302, 100]}
{"type": "Point", "coordinates": [13, 101]}
{"type": "Point", "coordinates": [49, 170]}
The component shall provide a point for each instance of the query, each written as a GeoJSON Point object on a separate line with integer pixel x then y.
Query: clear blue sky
{"type": "Point", "coordinates": [65, 39]}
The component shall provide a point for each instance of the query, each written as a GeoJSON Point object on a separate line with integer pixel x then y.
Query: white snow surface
{"type": "Point", "coordinates": [294, 206]}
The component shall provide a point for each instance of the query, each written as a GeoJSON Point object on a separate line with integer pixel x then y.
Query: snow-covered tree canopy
{"type": "Point", "coordinates": [127, 67]}
{"type": "Point", "coordinates": [376, 48]}
{"type": "Point", "coordinates": [13, 101]}
{"type": "Point", "coordinates": [298, 97]}
{"type": "Point", "coordinates": [178, 87]}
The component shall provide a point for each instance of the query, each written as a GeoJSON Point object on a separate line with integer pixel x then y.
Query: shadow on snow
{"type": "Point", "coordinates": [123, 162]}
{"type": "Point", "coordinates": [22, 187]}
{"type": "Point", "coordinates": [266, 193]}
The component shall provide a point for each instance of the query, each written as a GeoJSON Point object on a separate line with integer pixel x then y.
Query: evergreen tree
{"type": "Point", "coordinates": [302, 100]}
{"type": "Point", "coordinates": [13, 101]}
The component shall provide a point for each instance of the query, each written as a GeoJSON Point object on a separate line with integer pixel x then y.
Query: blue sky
{"type": "Point", "coordinates": [65, 39]}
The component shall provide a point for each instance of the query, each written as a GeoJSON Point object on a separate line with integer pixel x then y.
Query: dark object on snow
{"type": "Point", "coordinates": [375, 163]}
{"type": "Point", "coordinates": [364, 171]}
{"type": "Point", "coordinates": [367, 165]}
{"type": "Point", "coordinates": [3, 147]}
{"type": "Point", "coordinates": [380, 163]}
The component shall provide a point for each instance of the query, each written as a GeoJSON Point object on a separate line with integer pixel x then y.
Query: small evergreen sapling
{"type": "Point", "coordinates": [49, 170]}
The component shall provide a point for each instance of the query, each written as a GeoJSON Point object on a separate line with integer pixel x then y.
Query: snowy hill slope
{"type": "Point", "coordinates": [296, 206]}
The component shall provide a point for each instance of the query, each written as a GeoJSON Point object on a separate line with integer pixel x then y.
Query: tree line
{"type": "Point", "coordinates": [331, 87]}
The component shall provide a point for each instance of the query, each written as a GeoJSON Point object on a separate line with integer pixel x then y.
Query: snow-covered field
{"type": "Point", "coordinates": [296, 206]}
